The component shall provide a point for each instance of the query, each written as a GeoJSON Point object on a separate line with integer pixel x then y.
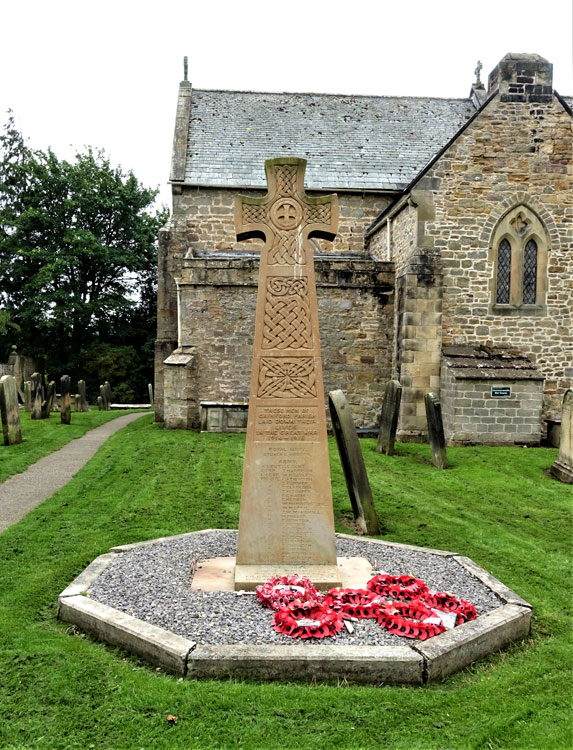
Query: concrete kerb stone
{"type": "Point", "coordinates": [455, 649]}
{"type": "Point", "coordinates": [417, 663]}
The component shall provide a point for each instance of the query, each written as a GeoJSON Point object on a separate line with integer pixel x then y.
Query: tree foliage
{"type": "Point", "coordinates": [77, 257]}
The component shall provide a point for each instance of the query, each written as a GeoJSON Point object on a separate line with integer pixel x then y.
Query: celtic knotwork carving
{"type": "Point", "coordinates": [254, 214]}
{"type": "Point", "coordinates": [286, 377]}
{"type": "Point", "coordinates": [319, 214]}
{"type": "Point", "coordinates": [286, 179]}
{"type": "Point", "coordinates": [287, 323]}
{"type": "Point", "coordinates": [286, 250]}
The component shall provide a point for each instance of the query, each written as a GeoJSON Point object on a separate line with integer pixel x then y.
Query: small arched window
{"type": "Point", "coordinates": [519, 252]}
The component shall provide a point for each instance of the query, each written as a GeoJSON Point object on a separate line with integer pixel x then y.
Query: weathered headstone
{"type": "Point", "coordinates": [37, 395]}
{"type": "Point", "coordinates": [9, 413]}
{"type": "Point", "coordinates": [286, 521]}
{"type": "Point", "coordinates": [83, 403]}
{"type": "Point", "coordinates": [563, 467]}
{"type": "Point", "coordinates": [389, 418]}
{"type": "Point", "coordinates": [28, 396]}
{"type": "Point", "coordinates": [48, 403]}
{"type": "Point", "coordinates": [105, 392]}
{"type": "Point", "coordinates": [77, 403]}
{"type": "Point", "coordinates": [352, 462]}
{"type": "Point", "coordinates": [100, 403]}
{"type": "Point", "coordinates": [66, 409]}
{"type": "Point", "coordinates": [150, 392]}
{"type": "Point", "coordinates": [436, 431]}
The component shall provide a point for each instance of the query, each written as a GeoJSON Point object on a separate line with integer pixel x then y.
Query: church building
{"type": "Point", "coordinates": [452, 269]}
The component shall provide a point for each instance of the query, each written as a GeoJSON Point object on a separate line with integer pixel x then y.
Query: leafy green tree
{"type": "Point", "coordinates": [77, 254]}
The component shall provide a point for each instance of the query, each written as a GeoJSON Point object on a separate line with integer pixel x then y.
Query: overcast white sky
{"type": "Point", "coordinates": [107, 73]}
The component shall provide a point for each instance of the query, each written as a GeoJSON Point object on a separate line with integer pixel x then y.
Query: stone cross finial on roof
{"type": "Point", "coordinates": [185, 68]}
{"type": "Point", "coordinates": [477, 71]}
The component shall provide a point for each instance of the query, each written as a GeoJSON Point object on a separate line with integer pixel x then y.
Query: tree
{"type": "Point", "coordinates": [77, 246]}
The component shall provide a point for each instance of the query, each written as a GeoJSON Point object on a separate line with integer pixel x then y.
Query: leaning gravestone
{"type": "Point", "coordinates": [563, 467]}
{"type": "Point", "coordinates": [389, 418]}
{"type": "Point", "coordinates": [83, 402]}
{"type": "Point", "coordinates": [28, 396]}
{"type": "Point", "coordinates": [352, 462]}
{"type": "Point", "coordinates": [9, 413]}
{"type": "Point", "coordinates": [286, 522]}
{"type": "Point", "coordinates": [66, 410]}
{"type": "Point", "coordinates": [436, 431]}
{"type": "Point", "coordinates": [37, 395]}
{"type": "Point", "coordinates": [49, 400]}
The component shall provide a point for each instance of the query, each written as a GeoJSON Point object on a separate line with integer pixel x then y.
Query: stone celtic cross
{"type": "Point", "coordinates": [286, 522]}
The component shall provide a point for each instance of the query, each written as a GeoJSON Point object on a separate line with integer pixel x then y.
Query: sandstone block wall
{"type": "Point", "coordinates": [471, 415]}
{"type": "Point", "coordinates": [355, 306]}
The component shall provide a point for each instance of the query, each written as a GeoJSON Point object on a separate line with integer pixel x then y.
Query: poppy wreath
{"type": "Point", "coordinates": [447, 602]}
{"type": "Point", "coordinates": [397, 588]}
{"type": "Point", "coordinates": [358, 603]}
{"type": "Point", "coordinates": [279, 591]}
{"type": "Point", "coordinates": [307, 620]}
{"type": "Point", "coordinates": [407, 619]}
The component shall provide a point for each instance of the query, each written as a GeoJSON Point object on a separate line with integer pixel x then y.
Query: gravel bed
{"type": "Point", "coordinates": [152, 583]}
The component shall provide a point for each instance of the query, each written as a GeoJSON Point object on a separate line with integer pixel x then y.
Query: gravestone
{"type": "Point", "coordinates": [66, 410]}
{"type": "Point", "coordinates": [37, 395]}
{"type": "Point", "coordinates": [28, 396]}
{"type": "Point", "coordinates": [48, 403]}
{"type": "Point", "coordinates": [9, 413]}
{"type": "Point", "coordinates": [562, 469]}
{"type": "Point", "coordinates": [100, 403]}
{"type": "Point", "coordinates": [389, 418]}
{"type": "Point", "coordinates": [77, 403]}
{"type": "Point", "coordinates": [105, 393]}
{"type": "Point", "coordinates": [352, 462]}
{"type": "Point", "coordinates": [83, 403]}
{"type": "Point", "coordinates": [150, 392]}
{"type": "Point", "coordinates": [436, 431]}
{"type": "Point", "coordinates": [286, 522]}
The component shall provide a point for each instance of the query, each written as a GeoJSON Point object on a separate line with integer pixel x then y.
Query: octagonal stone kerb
{"type": "Point", "coordinates": [415, 663]}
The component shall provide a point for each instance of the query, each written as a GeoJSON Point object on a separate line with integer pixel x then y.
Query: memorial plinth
{"type": "Point", "coordinates": [286, 521]}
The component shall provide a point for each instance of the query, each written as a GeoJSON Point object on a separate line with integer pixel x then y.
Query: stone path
{"type": "Point", "coordinates": [23, 492]}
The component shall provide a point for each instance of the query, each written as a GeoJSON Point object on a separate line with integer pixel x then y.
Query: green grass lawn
{"type": "Point", "coordinates": [61, 689]}
{"type": "Point", "coordinates": [43, 436]}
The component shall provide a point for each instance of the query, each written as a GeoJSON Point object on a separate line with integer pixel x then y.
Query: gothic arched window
{"type": "Point", "coordinates": [519, 253]}
{"type": "Point", "coordinates": [503, 273]}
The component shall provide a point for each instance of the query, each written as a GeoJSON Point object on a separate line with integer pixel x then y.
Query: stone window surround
{"type": "Point", "coordinates": [534, 230]}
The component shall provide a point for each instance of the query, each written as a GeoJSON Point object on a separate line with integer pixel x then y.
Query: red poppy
{"type": "Point", "coordinates": [278, 591]}
{"type": "Point", "coordinates": [409, 619]}
{"type": "Point", "coordinates": [358, 603]}
{"type": "Point", "coordinates": [401, 588]}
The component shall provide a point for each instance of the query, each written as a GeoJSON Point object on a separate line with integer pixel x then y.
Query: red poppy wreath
{"type": "Point", "coordinates": [307, 620]}
{"type": "Point", "coordinates": [357, 603]}
{"type": "Point", "coordinates": [409, 619]}
{"type": "Point", "coordinates": [279, 591]}
{"type": "Point", "coordinates": [401, 588]}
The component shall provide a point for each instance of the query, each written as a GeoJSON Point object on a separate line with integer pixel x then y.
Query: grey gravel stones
{"type": "Point", "coordinates": [152, 582]}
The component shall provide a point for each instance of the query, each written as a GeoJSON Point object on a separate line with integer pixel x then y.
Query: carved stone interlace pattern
{"type": "Point", "coordinates": [287, 323]}
{"type": "Point", "coordinates": [286, 250]}
{"type": "Point", "coordinates": [319, 214]}
{"type": "Point", "coordinates": [287, 377]}
{"type": "Point", "coordinates": [254, 214]}
{"type": "Point", "coordinates": [286, 179]}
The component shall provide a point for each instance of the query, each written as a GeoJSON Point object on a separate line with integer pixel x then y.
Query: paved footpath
{"type": "Point", "coordinates": [23, 492]}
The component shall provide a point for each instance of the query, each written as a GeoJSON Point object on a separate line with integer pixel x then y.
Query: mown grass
{"type": "Point", "coordinates": [43, 436]}
{"type": "Point", "coordinates": [61, 689]}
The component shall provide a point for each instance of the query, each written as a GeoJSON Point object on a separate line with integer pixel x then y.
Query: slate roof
{"type": "Point", "coordinates": [350, 142]}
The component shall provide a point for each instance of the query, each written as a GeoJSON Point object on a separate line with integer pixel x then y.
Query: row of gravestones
{"type": "Point", "coordinates": [40, 400]}
{"type": "Point", "coordinates": [353, 462]}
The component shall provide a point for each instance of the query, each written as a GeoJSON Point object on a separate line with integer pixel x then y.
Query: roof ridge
{"type": "Point", "coordinates": [317, 93]}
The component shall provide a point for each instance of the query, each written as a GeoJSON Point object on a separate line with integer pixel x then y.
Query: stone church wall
{"type": "Point", "coordinates": [514, 153]}
{"type": "Point", "coordinates": [355, 307]}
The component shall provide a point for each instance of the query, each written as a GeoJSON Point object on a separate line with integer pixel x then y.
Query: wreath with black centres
{"type": "Point", "coordinates": [358, 603]}
{"type": "Point", "coordinates": [397, 588]}
{"type": "Point", "coordinates": [307, 620]}
{"type": "Point", "coordinates": [447, 602]}
{"type": "Point", "coordinates": [279, 591]}
{"type": "Point", "coordinates": [409, 619]}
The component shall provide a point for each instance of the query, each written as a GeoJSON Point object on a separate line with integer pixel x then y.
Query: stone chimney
{"type": "Point", "coordinates": [522, 78]}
